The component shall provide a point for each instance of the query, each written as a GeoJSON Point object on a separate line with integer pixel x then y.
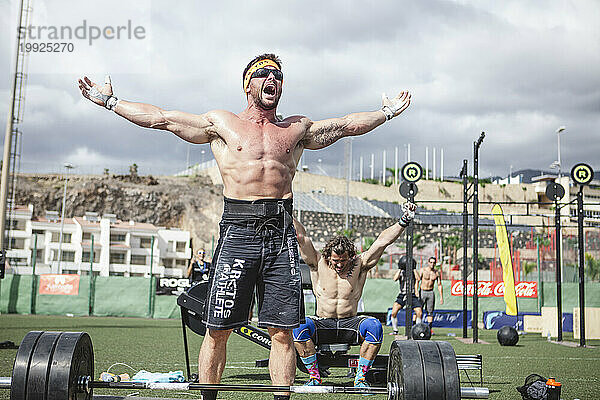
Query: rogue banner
{"type": "Point", "coordinates": [494, 289]}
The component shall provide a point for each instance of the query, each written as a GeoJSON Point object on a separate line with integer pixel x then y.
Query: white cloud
{"type": "Point", "coordinates": [515, 69]}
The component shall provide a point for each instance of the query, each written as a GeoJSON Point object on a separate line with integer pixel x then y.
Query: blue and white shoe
{"type": "Point", "coordinates": [313, 382]}
{"type": "Point", "coordinates": [361, 383]}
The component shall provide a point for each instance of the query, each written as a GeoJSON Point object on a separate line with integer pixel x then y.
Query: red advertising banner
{"type": "Point", "coordinates": [494, 289]}
{"type": "Point", "coordinates": [59, 284]}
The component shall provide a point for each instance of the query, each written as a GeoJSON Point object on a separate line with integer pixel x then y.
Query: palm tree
{"type": "Point", "coordinates": [592, 266]}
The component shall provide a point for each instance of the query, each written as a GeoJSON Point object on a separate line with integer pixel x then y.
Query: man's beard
{"type": "Point", "coordinates": [259, 102]}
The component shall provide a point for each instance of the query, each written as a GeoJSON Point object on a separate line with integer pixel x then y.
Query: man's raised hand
{"type": "Point", "coordinates": [408, 213]}
{"type": "Point", "coordinates": [394, 107]}
{"type": "Point", "coordinates": [103, 96]}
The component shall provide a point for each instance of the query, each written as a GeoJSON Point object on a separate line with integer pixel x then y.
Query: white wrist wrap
{"type": "Point", "coordinates": [387, 111]}
{"type": "Point", "coordinates": [111, 102]}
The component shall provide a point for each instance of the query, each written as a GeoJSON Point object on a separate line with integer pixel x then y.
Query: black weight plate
{"type": "Point", "coordinates": [405, 368]}
{"type": "Point", "coordinates": [20, 372]}
{"type": "Point", "coordinates": [432, 370]}
{"type": "Point", "coordinates": [394, 371]}
{"type": "Point", "coordinates": [451, 375]}
{"type": "Point", "coordinates": [37, 381]}
{"type": "Point", "coordinates": [73, 358]}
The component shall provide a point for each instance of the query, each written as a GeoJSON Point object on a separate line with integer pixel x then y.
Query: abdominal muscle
{"type": "Point", "coordinates": [257, 179]}
{"type": "Point", "coordinates": [336, 308]}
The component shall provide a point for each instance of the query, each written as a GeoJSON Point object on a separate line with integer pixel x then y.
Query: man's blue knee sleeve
{"type": "Point", "coordinates": [371, 330]}
{"type": "Point", "coordinates": [305, 331]}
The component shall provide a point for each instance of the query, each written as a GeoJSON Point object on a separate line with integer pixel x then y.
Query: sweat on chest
{"type": "Point", "coordinates": [271, 141]}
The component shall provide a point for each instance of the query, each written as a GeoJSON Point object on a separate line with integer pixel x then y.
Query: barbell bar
{"type": "Point", "coordinates": [59, 365]}
{"type": "Point", "coordinates": [85, 384]}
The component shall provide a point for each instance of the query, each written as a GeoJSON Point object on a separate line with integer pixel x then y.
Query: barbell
{"type": "Point", "coordinates": [60, 365]}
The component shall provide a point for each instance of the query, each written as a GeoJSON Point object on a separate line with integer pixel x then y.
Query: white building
{"type": "Point", "coordinates": [119, 248]}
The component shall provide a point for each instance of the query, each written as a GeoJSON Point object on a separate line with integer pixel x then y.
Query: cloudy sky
{"type": "Point", "coordinates": [515, 69]}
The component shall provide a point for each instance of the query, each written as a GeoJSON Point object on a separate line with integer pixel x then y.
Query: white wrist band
{"type": "Point", "coordinates": [387, 111]}
{"type": "Point", "coordinates": [111, 103]}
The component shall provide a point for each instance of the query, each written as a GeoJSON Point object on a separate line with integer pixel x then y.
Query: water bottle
{"type": "Point", "coordinates": [553, 389]}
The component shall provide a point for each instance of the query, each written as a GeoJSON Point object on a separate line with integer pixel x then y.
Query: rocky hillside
{"type": "Point", "coordinates": [193, 204]}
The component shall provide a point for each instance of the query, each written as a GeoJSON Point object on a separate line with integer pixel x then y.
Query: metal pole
{"type": "Point", "coordinates": [433, 169]}
{"type": "Point", "coordinates": [396, 165]}
{"type": "Point", "coordinates": [476, 236]}
{"type": "Point", "coordinates": [383, 172]}
{"type": "Point", "coordinates": [361, 169]}
{"type": "Point", "coordinates": [62, 218]}
{"type": "Point", "coordinates": [91, 290]}
{"type": "Point", "coordinates": [558, 272]}
{"type": "Point", "coordinates": [465, 242]}
{"type": "Point", "coordinates": [581, 246]}
{"type": "Point", "coordinates": [151, 289]}
{"type": "Point", "coordinates": [372, 167]}
{"type": "Point", "coordinates": [558, 147]}
{"type": "Point", "coordinates": [409, 269]}
{"type": "Point", "coordinates": [8, 139]}
{"type": "Point", "coordinates": [442, 164]}
{"type": "Point", "coordinates": [33, 276]}
{"type": "Point", "coordinates": [426, 163]}
{"type": "Point", "coordinates": [539, 277]}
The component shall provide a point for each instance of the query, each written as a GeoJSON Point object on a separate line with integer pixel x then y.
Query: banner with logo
{"type": "Point", "coordinates": [59, 284]}
{"type": "Point", "coordinates": [441, 318]}
{"type": "Point", "coordinates": [494, 289]}
{"type": "Point", "coordinates": [172, 286]}
{"type": "Point", "coordinates": [507, 269]}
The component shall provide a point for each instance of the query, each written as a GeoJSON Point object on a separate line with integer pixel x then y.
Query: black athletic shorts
{"type": "Point", "coordinates": [337, 330]}
{"type": "Point", "coordinates": [416, 302]}
{"type": "Point", "coordinates": [257, 248]}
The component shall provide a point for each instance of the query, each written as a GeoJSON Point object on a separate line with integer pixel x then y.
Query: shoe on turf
{"type": "Point", "coordinates": [313, 382]}
{"type": "Point", "coordinates": [394, 333]}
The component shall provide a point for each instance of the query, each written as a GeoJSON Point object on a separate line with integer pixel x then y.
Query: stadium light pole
{"type": "Point", "coordinates": [68, 167]}
{"type": "Point", "coordinates": [558, 131]}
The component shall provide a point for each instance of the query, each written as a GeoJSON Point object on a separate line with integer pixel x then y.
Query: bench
{"type": "Point", "coordinates": [471, 362]}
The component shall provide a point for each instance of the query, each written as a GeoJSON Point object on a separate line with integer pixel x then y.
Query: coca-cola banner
{"type": "Point", "coordinates": [494, 289]}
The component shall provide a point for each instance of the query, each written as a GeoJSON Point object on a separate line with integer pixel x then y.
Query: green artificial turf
{"type": "Point", "coordinates": [156, 346]}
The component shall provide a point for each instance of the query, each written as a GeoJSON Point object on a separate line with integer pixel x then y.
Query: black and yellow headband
{"type": "Point", "coordinates": [258, 65]}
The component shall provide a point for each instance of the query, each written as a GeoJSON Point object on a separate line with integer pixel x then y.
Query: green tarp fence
{"type": "Point", "coordinates": [129, 297]}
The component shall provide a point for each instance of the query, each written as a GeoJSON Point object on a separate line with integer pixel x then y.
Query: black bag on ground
{"type": "Point", "coordinates": [534, 388]}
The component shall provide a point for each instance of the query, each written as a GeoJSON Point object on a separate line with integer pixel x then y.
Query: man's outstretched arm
{"type": "Point", "coordinates": [190, 127]}
{"type": "Point", "coordinates": [323, 133]}
{"type": "Point", "coordinates": [307, 249]}
{"type": "Point", "coordinates": [388, 236]}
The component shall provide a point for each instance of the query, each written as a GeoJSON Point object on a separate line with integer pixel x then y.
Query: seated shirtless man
{"type": "Point", "coordinates": [338, 276]}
